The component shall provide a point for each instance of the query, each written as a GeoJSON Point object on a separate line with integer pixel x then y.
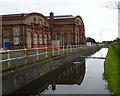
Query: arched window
{"type": "Point", "coordinates": [41, 39]}
{"type": "Point", "coordinates": [35, 39]}
{"type": "Point", "coordinates": [78, 22]}
{"type": "Point", "coordinates": [45, 39]}
{"type": "Point", "coordinates": [40, 21]}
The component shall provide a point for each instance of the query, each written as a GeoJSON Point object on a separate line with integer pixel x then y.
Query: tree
{"type": "Point", "coordinates": [117, 39]}
{"type": "Point", "coordinates": [115, 4]}
{"type": "Point", "coordinates": [89, 39]}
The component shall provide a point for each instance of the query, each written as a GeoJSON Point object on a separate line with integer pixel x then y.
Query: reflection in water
{"type": "Point", "coordinates": [73, 74]}
{"type": "Point", "coordinates": [101, 53]}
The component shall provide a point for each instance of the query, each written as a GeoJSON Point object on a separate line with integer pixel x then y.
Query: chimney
{"type": "Point", "coordinates": [51, 25]}
{"type": "Point", "coordinates": [51, 17]}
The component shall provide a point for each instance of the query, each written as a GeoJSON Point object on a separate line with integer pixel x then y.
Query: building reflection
{"type": "Point", "coordinates": [73, 75]}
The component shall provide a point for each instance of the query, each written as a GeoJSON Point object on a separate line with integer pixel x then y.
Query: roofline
{"type": "Point", "coordinates": [61, 17]}
{"type": "Point", "coordinates": [21, 16]}
{"type": "Point", "coordinates": [11, 15]}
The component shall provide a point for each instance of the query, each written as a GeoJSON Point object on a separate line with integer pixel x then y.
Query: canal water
{"type": "Point", "coordinates": [83, 76]}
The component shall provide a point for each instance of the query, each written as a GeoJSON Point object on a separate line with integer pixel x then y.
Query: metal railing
{"type": "Point", "coordinates": [12, 57]}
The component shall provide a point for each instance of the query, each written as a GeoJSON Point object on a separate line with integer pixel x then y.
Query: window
{"type": "Point", "coordinates": [78, 22]}
{"type": "Point", "coordinates": [16, 40]}
{"type": "Point", "coordinates": [41, 40]}
{"type": "Point", "coordinates": [40, 21]}
{"type": "Point", "coordinates": [35, 39]}
{"type": "Point", "coordinates": [45, 39]}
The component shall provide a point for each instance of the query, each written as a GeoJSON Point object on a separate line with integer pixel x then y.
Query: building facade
{"type": "Point", "coordinates": [35, 30]}
{"type": "Point", "coordinates": [68, 29]}
{"type": "Point", "coordinates": [25, 31]}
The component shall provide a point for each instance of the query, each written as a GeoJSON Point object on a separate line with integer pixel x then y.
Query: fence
{"type": "Point", "coordinates": [13, 57]}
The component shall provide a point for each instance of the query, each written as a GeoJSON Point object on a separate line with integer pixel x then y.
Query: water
{"type": "Point", "coordinates": [79, 77]}
{"type": "Point", "coordinates": [92, 82]}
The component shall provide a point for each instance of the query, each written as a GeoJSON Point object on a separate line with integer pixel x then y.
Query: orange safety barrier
{"type": "Point", "coordinates": [46, 46]}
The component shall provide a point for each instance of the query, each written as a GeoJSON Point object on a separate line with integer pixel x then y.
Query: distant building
{"type": "Point", "coordinates": [36, 30]}
{"type": "Point", "coordinates": [88, 43]}
{"type": "Point", "coordinates": [68, 29]}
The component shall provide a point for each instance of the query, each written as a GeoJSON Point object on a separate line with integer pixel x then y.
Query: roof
{"type": "Point", "coordinates": [48, 17]}
{"type": "Point", "coordinates": [21, 14]}
{"type": "Point", "coordinates": [61, 16]}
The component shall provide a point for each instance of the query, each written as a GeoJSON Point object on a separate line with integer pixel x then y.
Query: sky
{"type": "Point", "coordinates": [101, 23]}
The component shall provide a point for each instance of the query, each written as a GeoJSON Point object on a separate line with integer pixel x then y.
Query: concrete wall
{"type": "Point", "coordinates": [17, 79]}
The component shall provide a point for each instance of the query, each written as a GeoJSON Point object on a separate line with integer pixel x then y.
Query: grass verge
{"type": "Point", "coordinates": [112, 67]}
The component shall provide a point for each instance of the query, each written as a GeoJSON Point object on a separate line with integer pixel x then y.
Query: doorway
{"type": "Point", "coordinates": [6, 43]}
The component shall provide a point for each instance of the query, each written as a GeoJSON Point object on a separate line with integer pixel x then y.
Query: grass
{"type": "Point", "coordinates": [112, 67]}
{"type": "Point", "coordinates": [5, 54]}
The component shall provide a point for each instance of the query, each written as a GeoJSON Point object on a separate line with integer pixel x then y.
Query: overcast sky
{"type": "Point", "coordinates": [100, 23]}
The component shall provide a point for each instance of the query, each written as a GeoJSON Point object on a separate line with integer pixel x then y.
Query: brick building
{"type": "Point", "coordinates": [35, 30]}
{"type": "Point", "coordinates": [68, 29]}
{"type": "Point", "coordinates": [25, 30]}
